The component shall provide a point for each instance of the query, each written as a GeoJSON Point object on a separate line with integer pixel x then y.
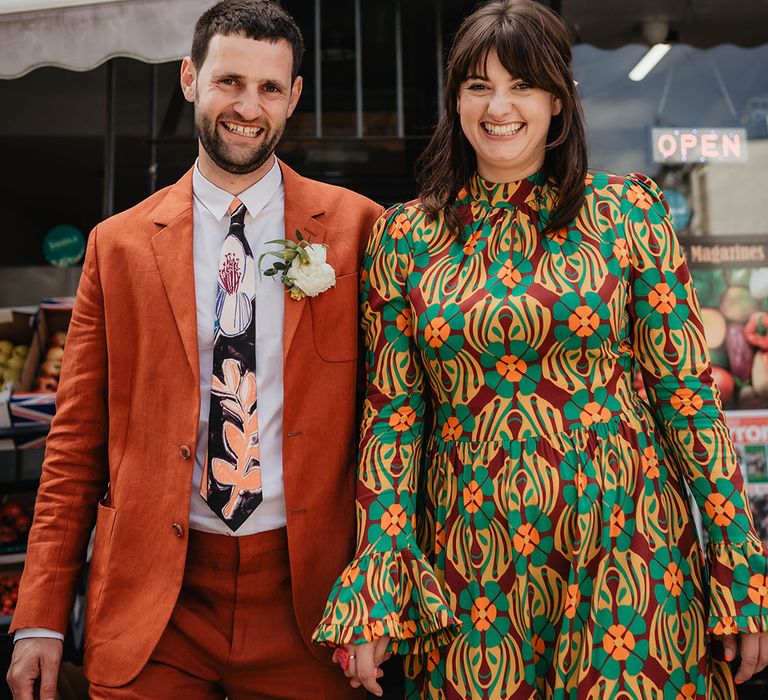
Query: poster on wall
{"type": "Point", "coordinates": [750, 437]}
{"type": "Point", "coordinates": [731, 279]}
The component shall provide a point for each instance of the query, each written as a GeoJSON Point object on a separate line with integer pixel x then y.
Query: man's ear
{"type": "Point", "coordinates": [188, 79]}
{"type": "Point", "coordinates": [298, 84]}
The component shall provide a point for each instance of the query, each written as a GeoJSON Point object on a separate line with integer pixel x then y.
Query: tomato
{"type": "Point", "coordinates": [724, 380]}
{"type": "Point", "coordinates": [22, 522]}
{"type": "Point", "coordinates": [12, 510]}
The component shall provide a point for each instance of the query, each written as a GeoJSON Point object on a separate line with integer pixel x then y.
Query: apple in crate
{"type": "Point", "coordinates": [56, 340]}
{"type": "Point", "coordinates": [13, 367]}
{"type": "Point", "coordinates": [55, 354]}
{"type": "Point", "coordinates": [48, 384]}
{"type": "Point", "coordinates": [50, 368]}
{"type": "Point", "coordinates": [15, 362]}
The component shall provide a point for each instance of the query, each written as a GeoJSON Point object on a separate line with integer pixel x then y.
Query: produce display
{"type": "Point", "coordinates": [48, 374]}
{"type": "Point", "coordinates": [735, 314]}
{"type": "Point", "coordinates": [9, 590]}
{"type": "Point", "coordinates": [12, 359]}
{"type": "Point", "coordinates": [15, 521]}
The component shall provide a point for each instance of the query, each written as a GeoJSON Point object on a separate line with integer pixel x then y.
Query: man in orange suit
{"type": "Point", "coordinates": [206, 410]}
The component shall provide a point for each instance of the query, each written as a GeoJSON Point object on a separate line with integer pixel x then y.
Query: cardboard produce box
{"type": "Point", "coordinates": [33, 401]}
{"type": "Point", "coordinates": [16, 330]}
{"type": "Point", "coordinates": [21, 457]}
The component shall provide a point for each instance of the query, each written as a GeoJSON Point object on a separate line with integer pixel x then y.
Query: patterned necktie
{"type": "Point", "coordinates": [231, 483]}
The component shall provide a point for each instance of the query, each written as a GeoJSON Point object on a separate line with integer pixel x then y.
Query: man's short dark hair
{"type": "Point", "coordinates": [256, 19]}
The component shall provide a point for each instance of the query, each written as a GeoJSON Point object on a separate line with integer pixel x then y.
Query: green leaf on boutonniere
{"type": "Point", "coordinates": [284, 254]}
{"type": "Point", "coordinates": [283, 242]}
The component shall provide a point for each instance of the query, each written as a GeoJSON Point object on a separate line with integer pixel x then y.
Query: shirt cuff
{"type": "Point", "coordinates": [30, 632]}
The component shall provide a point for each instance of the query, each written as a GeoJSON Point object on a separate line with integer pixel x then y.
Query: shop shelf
{"type": "Point", "coordinates": [19, 485]}
{"type": "Point", "coordinates": [21, 431]}
{"type": "Point", "coordinates": [12, 558]}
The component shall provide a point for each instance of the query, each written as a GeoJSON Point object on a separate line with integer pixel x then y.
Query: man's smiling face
{"type": "Point", "coordinates": [243, 96]}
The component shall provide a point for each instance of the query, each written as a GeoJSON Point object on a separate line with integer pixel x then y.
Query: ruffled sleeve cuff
{"type": "Point", "coordinates": [393, 593]}
{"type": "Point", "coordinates": [738, 586]}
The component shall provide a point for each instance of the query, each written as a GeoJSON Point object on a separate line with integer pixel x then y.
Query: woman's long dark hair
{"type": "Point", "coordinates": [532, 44]}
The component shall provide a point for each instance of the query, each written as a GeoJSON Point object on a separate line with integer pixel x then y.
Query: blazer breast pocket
{"type": "Point", "coordinates": [335, 320]}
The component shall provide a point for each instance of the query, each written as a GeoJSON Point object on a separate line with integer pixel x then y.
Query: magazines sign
{"type": "Point", "coordinates": [730, 274]}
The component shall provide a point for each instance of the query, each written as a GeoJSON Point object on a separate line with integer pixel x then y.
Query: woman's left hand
{"type": "Point", "coordinates": [754, 653]}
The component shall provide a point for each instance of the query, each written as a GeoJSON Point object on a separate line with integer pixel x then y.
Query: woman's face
{"type": "Point", "coordinates": [506, 121]}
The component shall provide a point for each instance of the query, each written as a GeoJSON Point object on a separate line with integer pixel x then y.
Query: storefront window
{"type": "Point", "coordinates": [53, 139]}
{"type": "Point", "coordinates": [721, 87]}
{"type": "Point", "coordinates": [698, 124]}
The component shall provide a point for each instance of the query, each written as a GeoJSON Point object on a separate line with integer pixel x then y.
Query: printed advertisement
{"type": "Point", "coordinates": [731, 279]}
{"type": "Point", "coordinates": [750, 436]}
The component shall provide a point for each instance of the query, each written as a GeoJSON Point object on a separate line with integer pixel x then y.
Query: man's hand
{"type": "Point", "coordinates": [35, 658]}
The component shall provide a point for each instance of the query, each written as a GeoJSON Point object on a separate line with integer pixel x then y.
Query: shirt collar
{"type": "Point", "coordinates": [255, 198]}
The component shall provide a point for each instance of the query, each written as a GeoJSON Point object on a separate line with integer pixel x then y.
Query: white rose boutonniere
{"type": "Point", "coordinates": [302, 267]}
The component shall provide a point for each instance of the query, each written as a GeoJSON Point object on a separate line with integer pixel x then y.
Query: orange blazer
{"type": "Point", "coordinates": [121, 449]}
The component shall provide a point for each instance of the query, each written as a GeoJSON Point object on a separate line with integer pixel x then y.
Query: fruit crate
{"type": "Point", "coordinates": [16, 337]}
{"type": "Point", "coordinates": [33, 401]}
{"type": "Point", "coordinates": [10, 576]}
{"type": "Point", "coordinates": [15, 520]}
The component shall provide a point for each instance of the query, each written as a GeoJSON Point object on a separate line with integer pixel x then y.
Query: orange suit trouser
{"type": "Point", "coordinates": [233, 632]}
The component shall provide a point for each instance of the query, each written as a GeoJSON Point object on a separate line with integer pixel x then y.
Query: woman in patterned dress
{"type": "Point", "coordinates": [523, 524]}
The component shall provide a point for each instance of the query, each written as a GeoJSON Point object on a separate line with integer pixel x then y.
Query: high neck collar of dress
{"type": "Point", "coordinates": [505, 194]}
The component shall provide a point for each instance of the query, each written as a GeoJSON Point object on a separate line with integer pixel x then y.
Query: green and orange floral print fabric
{"type": "Point", "coordinates": [523, 524]}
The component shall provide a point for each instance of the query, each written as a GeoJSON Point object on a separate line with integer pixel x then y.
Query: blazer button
{"type": "Point", "coordinates": [178, 529]}
{"type": "Point", "coordinates": [184, 452]}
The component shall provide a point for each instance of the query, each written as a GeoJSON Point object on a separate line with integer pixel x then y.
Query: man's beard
{"type": "Point", "coordinates": [222, 153]}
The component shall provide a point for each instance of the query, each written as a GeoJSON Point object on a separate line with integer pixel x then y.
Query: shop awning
{"type": "Point", "coordinates": [608, 24]}
{"type": "Point", "coordinates": [80, 35]}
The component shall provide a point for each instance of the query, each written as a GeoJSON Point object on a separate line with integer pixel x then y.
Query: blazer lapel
{"type": "Point", "coordinates": [300, 215]}
{"type": "Point", "coordinates": [173, 249]}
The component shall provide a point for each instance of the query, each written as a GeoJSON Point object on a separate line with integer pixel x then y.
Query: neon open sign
{"type": "Point", "coordinates": [699, 145]}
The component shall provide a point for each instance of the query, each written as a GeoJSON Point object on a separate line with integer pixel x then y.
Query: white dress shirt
{"type": "Point", "coordinates": [265, 221]}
